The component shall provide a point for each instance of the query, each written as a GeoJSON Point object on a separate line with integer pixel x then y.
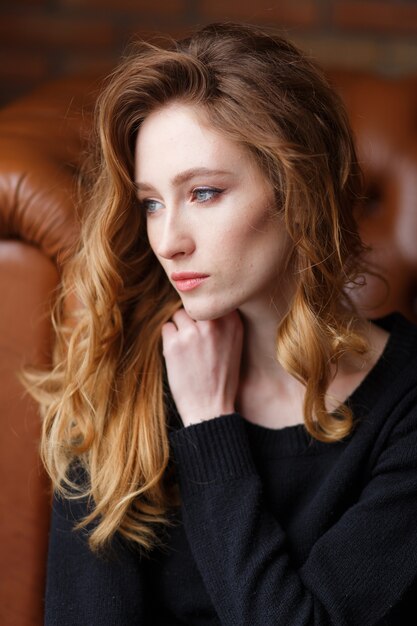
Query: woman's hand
{"type": "Point", "coordinates": [203, 364]}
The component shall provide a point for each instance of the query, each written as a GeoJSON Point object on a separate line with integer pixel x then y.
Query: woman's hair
{"type": "Point", "coordinates": [104, 404]}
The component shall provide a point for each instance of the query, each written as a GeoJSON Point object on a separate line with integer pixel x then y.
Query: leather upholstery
{"type": "Point", "coordinates": [41, 142]}
{"type": "Point", "coordinates": [41, 139]}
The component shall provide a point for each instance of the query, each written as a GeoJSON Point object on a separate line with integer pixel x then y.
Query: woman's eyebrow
{"type": "Point", "coordinates": [184, 177]}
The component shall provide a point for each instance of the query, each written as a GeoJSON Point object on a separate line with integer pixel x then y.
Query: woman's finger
{"type": "Point", "coordinates": [169, 330]}
{"type": "Point", "coordinates": [181, 319]}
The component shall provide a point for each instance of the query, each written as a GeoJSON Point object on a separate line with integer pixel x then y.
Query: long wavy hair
{"type": "Point", "coordinates": [104, 403]}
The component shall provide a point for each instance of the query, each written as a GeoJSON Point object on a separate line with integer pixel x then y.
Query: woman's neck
{"type": "Point", "coordinates": [268, 395]}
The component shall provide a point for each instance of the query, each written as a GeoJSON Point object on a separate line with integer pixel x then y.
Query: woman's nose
{"type": "Point", "coordinates": [174, 237]}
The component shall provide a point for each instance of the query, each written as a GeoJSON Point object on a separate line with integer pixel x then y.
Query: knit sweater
{"type": "Point", "coordinates": [274, 528]}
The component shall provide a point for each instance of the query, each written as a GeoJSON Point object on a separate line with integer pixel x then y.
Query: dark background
{"type": "Point", "coordinates": [42, 39]}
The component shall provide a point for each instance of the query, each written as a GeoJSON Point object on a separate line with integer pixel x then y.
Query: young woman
{"type": "Point", "coordinates": [230, 442]}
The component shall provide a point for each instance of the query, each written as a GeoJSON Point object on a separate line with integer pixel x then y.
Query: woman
{"type": "Point", "coordinates": [230, 442]}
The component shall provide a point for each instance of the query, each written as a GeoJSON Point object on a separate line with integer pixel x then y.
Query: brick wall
{"type": "Point", "coordinates": [40, 39]}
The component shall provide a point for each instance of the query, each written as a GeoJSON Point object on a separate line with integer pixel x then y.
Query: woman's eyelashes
{"type": "Point", "coordinates": [205, 194]}
{"type": "Point", "coordinates": [199, 195]}
{"type": "Point", "coordinates": [150, 206]}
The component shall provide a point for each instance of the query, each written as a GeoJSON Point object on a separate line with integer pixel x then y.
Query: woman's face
{"type": "Point", "coordinates": [211, 218]}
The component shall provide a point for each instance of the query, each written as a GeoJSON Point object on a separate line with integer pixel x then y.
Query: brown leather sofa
{"type": "Point", "coordinates": [41, 142]}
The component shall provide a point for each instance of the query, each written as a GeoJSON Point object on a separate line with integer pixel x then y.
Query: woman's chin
{"type": "Point", "coordinates": [206, 313]}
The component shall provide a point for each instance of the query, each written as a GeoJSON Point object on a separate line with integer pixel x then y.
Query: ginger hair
{"type": "Point", "coordinates": [103, 402]}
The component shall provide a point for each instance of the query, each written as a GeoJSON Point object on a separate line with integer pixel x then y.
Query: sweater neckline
{"type": "Point", "coordinates": [292, 440]}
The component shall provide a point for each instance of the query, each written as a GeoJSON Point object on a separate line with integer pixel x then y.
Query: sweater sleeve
{"type": "Point", "coordinates": [85, 589]}
{"type": "Point", "coordinates": [355, 573]}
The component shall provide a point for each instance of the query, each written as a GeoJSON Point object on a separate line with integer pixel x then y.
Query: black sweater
{"type": "Point", "coordinates": [275, 528]}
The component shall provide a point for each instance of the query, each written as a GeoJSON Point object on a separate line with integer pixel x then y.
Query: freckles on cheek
{"type": "Point", "coordinates": [235, 238]}
{"type": "Point", "coordinates": [238, 249]}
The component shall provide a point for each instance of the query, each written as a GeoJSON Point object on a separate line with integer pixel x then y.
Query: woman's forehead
{"type": "Point", "coordinates": [180, 137]}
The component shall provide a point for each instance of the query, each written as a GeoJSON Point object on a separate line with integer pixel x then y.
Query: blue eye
{"type": "Point", "coordinates": [151, 206]}
{"type": "Point", "coordinates": [204, 194]}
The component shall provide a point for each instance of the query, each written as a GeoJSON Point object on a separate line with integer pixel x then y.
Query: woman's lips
{"type": "Point", "coordinates": [185, 281]}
